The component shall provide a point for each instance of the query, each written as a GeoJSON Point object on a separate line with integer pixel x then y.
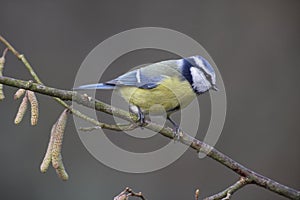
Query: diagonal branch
{"type": "Point", "coordinates": [186, 139]}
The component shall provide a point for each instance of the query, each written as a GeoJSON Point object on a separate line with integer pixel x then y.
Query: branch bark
{"type": "Point", "coordinates": [199, 146]}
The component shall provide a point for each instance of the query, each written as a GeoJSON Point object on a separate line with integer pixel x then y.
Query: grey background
{"type": "Point", "coordinates": [255, 46]}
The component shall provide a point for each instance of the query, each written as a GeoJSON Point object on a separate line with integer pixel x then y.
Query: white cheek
{"type": "Point", "coordinates": [199, 80]}
{"type": "Point", "coordinates": [196, 75]}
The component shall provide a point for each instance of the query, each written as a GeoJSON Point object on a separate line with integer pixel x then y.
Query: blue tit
{"type": "Point", "coordinates": [172, 84]}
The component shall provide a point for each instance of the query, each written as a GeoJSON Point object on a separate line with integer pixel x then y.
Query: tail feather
{"type": "Point", "coordinates": [100, 86]}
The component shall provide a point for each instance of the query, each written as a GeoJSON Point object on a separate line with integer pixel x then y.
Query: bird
{"type": "Point", "coordinates": [172, 84]}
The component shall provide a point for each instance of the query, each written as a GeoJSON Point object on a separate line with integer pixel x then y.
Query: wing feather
{"type": "Point", "coordinates": [147, 77]}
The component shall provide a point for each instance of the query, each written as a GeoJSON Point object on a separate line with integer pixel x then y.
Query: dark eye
{"type": "Point", "coordinates": [207, 76]}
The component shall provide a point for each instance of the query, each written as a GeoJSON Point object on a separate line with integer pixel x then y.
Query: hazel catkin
{"type": "Point", "coordinates": [58, 138]}
{"type": "Point", "coordinates": [34, 107]}
{"type": "Point", "coordinates": [22, 110]}
{"type": "Point", "coordinates": [48, 156]}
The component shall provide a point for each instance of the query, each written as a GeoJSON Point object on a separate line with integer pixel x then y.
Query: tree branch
{"type": "Point", "coordinates": [186, 139]}
{"type": "Point", "coordinates": [64, 95]}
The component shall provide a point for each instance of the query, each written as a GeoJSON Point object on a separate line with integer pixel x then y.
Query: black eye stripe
{"type": "Point", "coordinates": [208, 76]}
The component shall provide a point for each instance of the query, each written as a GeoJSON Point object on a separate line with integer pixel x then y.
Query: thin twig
{"type": "Point", "coordinates": [9, 46]}
{"type": "Point", "coordinates": [116, 127]}
{"type": "Point", "coordinates": [226, 194]}
{"type": "Point", "coordinates": [129, 192]}
{"type": "Point", "coordinates": [4, 52]}
{"type": "Point", "coordinates": [22, 58]}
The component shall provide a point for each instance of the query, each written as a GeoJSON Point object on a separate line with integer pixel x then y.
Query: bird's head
{"type": "Point", "coordinates": [199, 73]}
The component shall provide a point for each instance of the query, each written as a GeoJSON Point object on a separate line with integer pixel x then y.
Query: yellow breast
{"type": "Point", "coordinates": [171, 93]}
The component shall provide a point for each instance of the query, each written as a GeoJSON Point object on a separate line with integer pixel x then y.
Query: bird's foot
{"type": "Point", "coordinates": [141, 119]}
{"type": "Point", "coordinates": [140, 115]}
{"type": "Point", "coordinates": [176, 130]}
{"type": "Point", "coordinates": [177, 133]}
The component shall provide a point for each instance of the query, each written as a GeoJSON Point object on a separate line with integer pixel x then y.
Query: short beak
{"type": "Point", "coordinates": [214, 87]}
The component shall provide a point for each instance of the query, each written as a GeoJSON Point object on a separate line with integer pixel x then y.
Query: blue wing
{"type": "Point", "coordinates": [137, 78]}
{"type": "Point", "coordinates": [133, 78]}
{"type": "Point", "coordinates": [147, 77]}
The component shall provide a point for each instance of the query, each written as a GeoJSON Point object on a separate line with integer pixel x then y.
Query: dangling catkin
{"type": "Point", "coordinates": [34, 107]}
{"type": "Point", "coordinates": [22, 109]}
{"type": "Point", "coordinates": [60, 170]}
{"type": "Point", "coordinates": [58, 138]}
{"type": "Point", "coordinates": [48, 156]}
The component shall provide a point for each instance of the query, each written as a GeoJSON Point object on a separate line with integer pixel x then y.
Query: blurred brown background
{"type": "Point", "coordinates": [255, 45]}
